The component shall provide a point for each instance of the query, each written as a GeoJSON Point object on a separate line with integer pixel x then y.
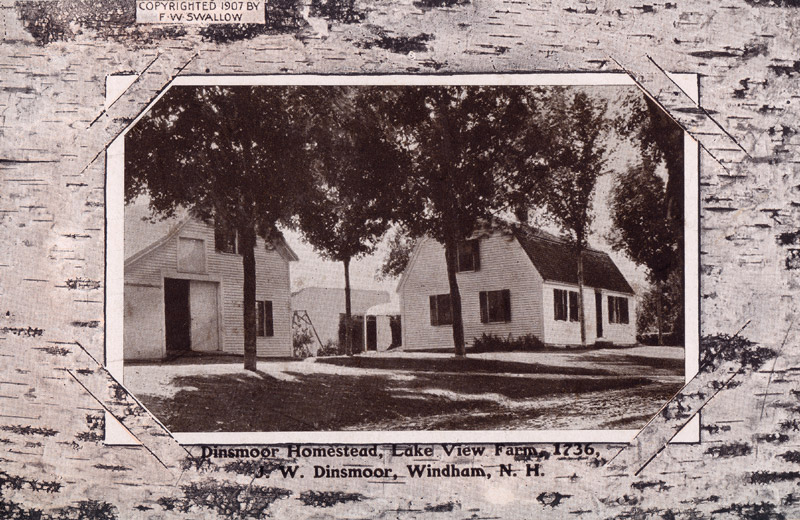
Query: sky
{"type": "Point", "coordinates": [312, 270]}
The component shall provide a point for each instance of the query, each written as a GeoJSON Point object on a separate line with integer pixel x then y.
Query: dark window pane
{"type": "Point", "coordinates": [445, 310]}
{"type": "Point", "coordinates": [476, 254]}
{"type": "Point", "coordinates": [259, 318]}
{"type": "Point", "coordinates": [612, 316]}
{"type": "Point", "coordinates": [560, 304]}
{"type": "Point", "coordinates": [269, 329]}
{"type": "Point", "coordinates": [623, 310]}
{"type": "Point", "coordinates": [465, 257]}
{"type": "Point", "coordinates": [484, 307]}
{"type": "Point", "coordinates": [506, 293]}
{"type": "Point", "coordinates": [440, 310]}
{"type": "Point", "coordinates": [496, 306]}
{"type": "Point", "coordinates": [573, 306]}
{"type": "Point", "coordinates": [224, 239]}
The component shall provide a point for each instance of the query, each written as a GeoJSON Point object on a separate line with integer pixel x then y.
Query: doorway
{"type": "Point", "coordinates": [177, 316]}
{"type": "Point", "coordinates": [372, 333]}
{"type": "Point", "coordinates": [598, 306]}
{"type": "Point", "coordinates": [357, 331]}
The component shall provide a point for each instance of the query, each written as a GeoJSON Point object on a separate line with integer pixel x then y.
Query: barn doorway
{"type": "Point", "coordinates": [177, 316]}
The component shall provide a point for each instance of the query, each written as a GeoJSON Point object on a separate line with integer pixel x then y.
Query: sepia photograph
{"type": "Point", "coordinates": [426, 259]}
{"type": "Point", "coordinates": [405, 258]}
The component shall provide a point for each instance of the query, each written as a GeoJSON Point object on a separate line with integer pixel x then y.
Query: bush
{"type": "Point", "coordinates": [495, 343]}
{"type": "Point", "coordinates": [651, 339]}
{"type": "Point", "coordinates": [302, 339]}
{"type": "Point", "coordinates": [331, 348]}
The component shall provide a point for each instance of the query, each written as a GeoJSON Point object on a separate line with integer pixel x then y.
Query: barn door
{"type": "Point", "coordinates": [203, 303]}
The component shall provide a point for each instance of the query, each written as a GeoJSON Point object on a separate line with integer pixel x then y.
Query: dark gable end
{"type": "Point", "coordinates": [557, 261]}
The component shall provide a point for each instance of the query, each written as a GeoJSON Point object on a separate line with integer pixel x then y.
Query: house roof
{"type": "Point", "coordinates": [556, 261]}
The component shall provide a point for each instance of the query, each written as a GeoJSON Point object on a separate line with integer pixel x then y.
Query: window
{"type": "Point", "coordinates": [565, 305]}
{"type": "Point", "coordinates": [469, 256]}
{"type": "Point", "coordinates": [617, 309]}
{"type": "Point", "coordinates": [441, 313]}
{"type": "Point", "coordinates": [264, 326]}
{"type": "Point", "coordinates": [225, 239]}
{"type": "Point", "coordinates": [495, 306]}
{"type": "Point", "coordinates": [561, 311]}
{"type": "Point", "coordinates": [573, 306]}
{"type": "Point", "coordinates": [191, 255]}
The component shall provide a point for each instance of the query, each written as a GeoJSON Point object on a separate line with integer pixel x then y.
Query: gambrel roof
{"type": "Point", "coordinates": [557, 261]}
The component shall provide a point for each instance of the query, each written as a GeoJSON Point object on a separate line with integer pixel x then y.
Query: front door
{"type": "Point", "coordinates": [598, 305]}
{"type": "Point", "coordinates": [177, 318]}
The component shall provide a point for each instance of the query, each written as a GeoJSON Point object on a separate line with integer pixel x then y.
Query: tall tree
{"type": "Point", "coordinates": [638, 209]}
{"type": "Point", "coordinates": [401, 245]}
{"type": "Point", "coordinates": [661, 142]}
{"type": "Point", "coordinates": [463, 145]}
{"type": "Point", "coordinates": [354, 166]}
{"type": "Point", "coordinates": [575, 157]}
{"type": "Point", "coordinates": [228, 154]}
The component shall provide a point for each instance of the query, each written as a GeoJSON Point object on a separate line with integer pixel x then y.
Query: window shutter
{"type": "Point", "coordinates": [484, 307]}
{"type": "Point", "coordinates": [259, 318]}
{"type": "Point", "coordinates": [269, 327]}
{"type": "Point", "coordinates": [434, 320]}
{"type": "Point", "coordinates": [556, 302]}
{"type": "Point", "coordinates": [506, 304]}
{"type": "Point", "coordinates": [476, 255]}
{"type": "Point", "coordinates": [573, 306]}
{"type": "Point", "coordinates": [624, 310]}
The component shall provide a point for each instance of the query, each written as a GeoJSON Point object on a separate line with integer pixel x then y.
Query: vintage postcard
{"type": "Point", "coordinates": [444, 259]}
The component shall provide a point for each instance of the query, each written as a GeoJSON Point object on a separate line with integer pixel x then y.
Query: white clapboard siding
{"type": "Point", "coordinates": [503, 265]}
{"type": "Point", "coordinates": [272, 283]}
{"type": "Point", "coordinates": [562, 333]}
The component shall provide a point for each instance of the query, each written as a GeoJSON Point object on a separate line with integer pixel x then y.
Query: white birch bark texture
{"type": "Point", "coordinates": [54, 392]}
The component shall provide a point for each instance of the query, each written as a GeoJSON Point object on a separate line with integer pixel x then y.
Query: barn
{"type": "Point", "coordinates": [515, 281]}
{"type": "Point", "coordinates": [183, 291]}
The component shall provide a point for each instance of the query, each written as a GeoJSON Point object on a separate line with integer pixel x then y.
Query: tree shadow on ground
{"type": "Point", "coordinates": [330, 402]}
{"type": "Point", "coordinates": [430, 364]}
{"type": "Point", "coordinates": [676, 365]}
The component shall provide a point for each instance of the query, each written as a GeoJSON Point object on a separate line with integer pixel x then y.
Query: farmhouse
{"type": "Point", "coordinates": [326, 309]}
{"type": "Point", "coordinates": [184, 291]}
{"type": "Point", "coordinates": [514, 282]}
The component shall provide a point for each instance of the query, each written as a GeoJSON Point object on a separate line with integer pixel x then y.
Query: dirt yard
{"type": "Point", "coordinates": [594, 389]}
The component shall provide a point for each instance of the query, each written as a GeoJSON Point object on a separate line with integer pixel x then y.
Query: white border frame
{"type": "Point", "coordinates": [117, 434]}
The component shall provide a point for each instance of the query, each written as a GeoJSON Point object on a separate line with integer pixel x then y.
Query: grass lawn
{"type": "Point", "coordinates": [608, 388]}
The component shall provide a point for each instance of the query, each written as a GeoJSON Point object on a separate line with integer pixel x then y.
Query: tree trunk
{"type": "Point", "coordinates": [660, 312]}
{"type": "Point", "coordinates": [581, 317]}
{"type": "Point", "coordinates": [348, 310]}
{"type": "Point", "coordinates": [450, 253]}
{"type": "Point", "coordinates": [247, 242]}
